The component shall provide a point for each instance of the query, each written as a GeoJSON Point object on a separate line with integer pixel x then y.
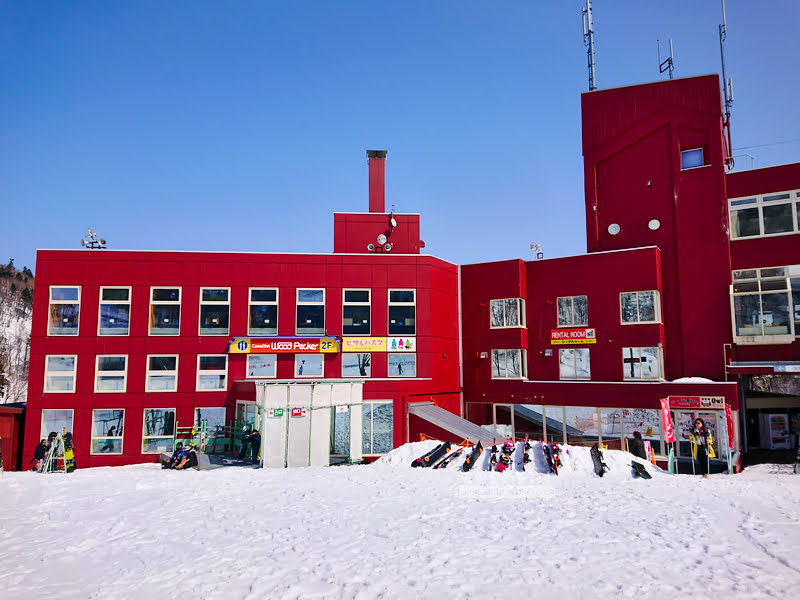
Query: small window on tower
{"type": "Point", "coordinates": [692, 158]}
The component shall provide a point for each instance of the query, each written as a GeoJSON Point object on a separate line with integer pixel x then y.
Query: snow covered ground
{"type": "Point", "coordinates": [389, 531]}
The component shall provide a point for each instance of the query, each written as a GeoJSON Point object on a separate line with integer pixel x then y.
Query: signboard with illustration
{"type": "Point", "coordinates": [364, 344]}
{"type": "Point", "coordinates": [287, 345]}
{"type": "Point", "coordinates": [401, 344]}
{"type": "Point", "coordinates": [704, 402]}
{"type": "Point", "coordinates": [573, 335]}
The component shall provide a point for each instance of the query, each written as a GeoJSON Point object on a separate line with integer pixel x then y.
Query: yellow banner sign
{"type": "Point", "coordinates": [364, 344]}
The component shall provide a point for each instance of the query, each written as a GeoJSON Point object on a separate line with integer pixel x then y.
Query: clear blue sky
{"type": "Point", "coordinates": [200, 125]}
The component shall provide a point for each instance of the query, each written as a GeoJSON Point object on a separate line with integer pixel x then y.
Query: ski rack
{"type": "Point", "coordinates": [55, 455]}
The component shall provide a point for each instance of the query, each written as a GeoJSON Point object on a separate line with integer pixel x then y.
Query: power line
{"type": "Point", "coordinates": [771, 144]}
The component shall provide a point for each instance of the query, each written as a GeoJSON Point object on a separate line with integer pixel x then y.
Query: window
{"type": "Point", "coordinates": [115, 310]}
{"type": "Point", "coordinates": [640, 307]}
{"type": "Point", "coordinates": [509, 312]}
{"type": "Point", "coordinates": [356, 312]}
{"type": "Point", "coordinates": [214, 311]}
{"type": "Point", "coordinates": [65, 305]}
{"type": "Point", "coordinates": [261, 365]}
{"type": "Point", "coordinates": [573, 311]}
{"type": "Point", "coordinates": [646, 421]}
{"type": "Point", "coordinates": [508, 364]}
{"type": "Point", "coordinates": [766, 302]}
{"type": "Point", "coordinates": [310, 312]}
{"type": "Point", "coordinates": [402, 312]}
{"type": "Point", "coordinates": [107, 430]}
{"type": "Point", "coordinates": [59, 373]}
{"type": "Point", "coordinates": [110, 373]}
{"type": "Point", "coordinates": [377, 427]}
{"type": "Point", "coordinates": [263, 314]}
{"type": "Point", "coordinates": [402, 364]}
{"type": "Point", "coordinates": [162, 373]}
{"type": "Point", "coordinates": [356, 365]}
{"type": "Point", "coordinates": [573, 363]}
{"type": "Point", "coordinates": [641, 363]}
{"type": "Point", "coordinates": [692, 158]}
{"type": "Point", "coordinates": [209, 419]}
{"type": "Point", "coordinates": [309, 365]}
{"type": "Point", "coordinates": [165, 311]}
{"type": "Point", "coordinates": [764, 215]}
{"type": "Point", "coordinates": [158, 430]}
{"type": "Point", "coordinates": [212, 372]}
{"type": "Point", "coordinates": [55, 421]}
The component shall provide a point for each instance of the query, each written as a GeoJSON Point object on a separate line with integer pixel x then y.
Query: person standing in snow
{"type": "Point", "coordinates": [39, 454]}
{"type": "Point", "coordinates": [636, 446]}
{"type": "Point", "coordinates": [255, 444]}
{"type": "Point", "coordinates": [702, 446]}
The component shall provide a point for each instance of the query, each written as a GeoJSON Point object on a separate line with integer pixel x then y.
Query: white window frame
{"type": "Point", "coordinates": [98, 375]}
{"type": "Point", "coordinates": [154, 303]}
{"type": "Point", "coordinates": [214, 303]}
{"type": "Point", "coordinates": [301, 357]}
{"type": "Point", "coordinates": [414, 354]}
{"type": "Point", "coordinates": [760, 276]}
{"type": "Point", "coordinates": [150, 373]}
{"type": "Point", "coordinates": [114, 437]}
{"type": "Point", "coordinates": [523, 363]}
{"type": "Point", "coordinates": [626, 351]}
{"type": "Point", "coordinates": [759, 201]}
{"type": "Point", "coordinates": [162, 437]}
{"type": "Point", "coordinates": [368, 375]}
{"type": "Point", "coordinates": [372, 426]}
{"type": "Point", "coordinates": [368, 304]}
{"type": "Point", "coordinates": [212, 372]}
{"type": "Point", "coordinates": [702, 156]}
{"type": "Point", "coordinates": [251, 303]}
{"type": "Point", "coordinates": [53, 302]}
{"type": "Point", "coordinates": [298, 303]}
{"type": "Point", "coordinates": [48, 373]}
{"type": "Point", "coordinates": [113, 303]}
{"type": "Point", "coordinates": [575, 350]}
{"type": "Point", "coordinates": [247, 366]}
{"type": "Point", "coordinates": [389, 306]}
{"type": "Point", "coordinates": [573, 322]}
{"type": "Point", "coordinates": [520, 312]}
{"type": "Point", "coordinates": [656, 307]}
{"type": "Point", "coordinates": [44, 434]}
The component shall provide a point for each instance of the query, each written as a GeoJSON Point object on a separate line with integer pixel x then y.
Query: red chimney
{"type": "Point", "coordinates": [377, 180]}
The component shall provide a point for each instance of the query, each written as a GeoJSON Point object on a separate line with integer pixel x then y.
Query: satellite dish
{"type": "Point", "coordinates": [613, 229]}
{"type": "Point", "coordinates": [371, 247]}
{"type": "Point", "coordinates": [381, 239]}
{"type": "Point", "coordinates": [83, 242]}
{"type": "Point", "coordinates": [103, 241]}
{"type": "Point", "coordinates": [388, 247]}
{"type": "Point", "coordinates": [654, 224]}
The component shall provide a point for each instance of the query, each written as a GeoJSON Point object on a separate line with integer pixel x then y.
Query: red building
{"type": "Point", "coordinates": [690, 290]}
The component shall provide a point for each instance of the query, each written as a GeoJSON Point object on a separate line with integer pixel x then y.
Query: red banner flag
{"type": "Point", "coordinates": [669, 430]}
{"type": "Point", "coordinates": [729, 418]}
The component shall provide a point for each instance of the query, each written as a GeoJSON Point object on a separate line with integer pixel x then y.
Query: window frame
{"type": "Point", "coordinates": [200, 371]}
{"type": "Point", "coordinates": [151, 373]}
{"type": "Point", "coordinates": [247, 367]}
{"type": "Point", "coordinates": [402, 375]}
{"type": "Point", "coordinates": [48, 372]}
{"type": "Point", "coordinates": [702, 158]}
{"type": "Point", "coordinates": [575, 349]}
{"type": "Point", "coordinates": [41, 421]}
{"type": "Point", "coordinates": [368, 366]}
{"type": "Point", "coordinates": [759, 202]}
{"type": "Point", "coordinates": [154, 303]}
{"type": "Point", "coordinates": [251, 303]}
{"type": "Point", "coordinates": [58, 302]}
{"type": "Point", "coordinates": [638, 321]}
{"type": "Point", "coordinates": [521, 323]}
{"type": "Point", "coordinates": [391, 304]}
{"type": "Point", "coordinates": [523, 362]}
{"type": "Point", "coordinates": [659, 358]}
{"type": "Point", "coordinates": [572, 311]}
{"type": "Point", "coordinates": [298, 303]}
{"type": "Point", "coordinates": [302, 357]}
{"type": "Point", "coordinates": [791, 273]}
{"type": "Point", "coordinates": [364, 452]}
{"type": "Point", "coordinates": [97, 374]}
{"type": "Point", "coordinates": [368, 304]}
{"type": "Point", "coordinates": [102, 303]}
{"type": "Point", "coordinates": [212, 303]}
{"type": "Point", "coordinates": [93, 437]}
{"type": "Point", "coordinates": [161, 437]}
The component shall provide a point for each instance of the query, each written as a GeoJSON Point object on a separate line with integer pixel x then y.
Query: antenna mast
{"type": "Point", "coordinates": [727, 87]}
{"type": "Point", "coordinates": [588, 39]}
{"type": "Point", "coordinates": [669, 63]}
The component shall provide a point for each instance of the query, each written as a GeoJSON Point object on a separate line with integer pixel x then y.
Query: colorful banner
{"type": "Point", "coordinates": [294, 345]}
{"type": "Point", "coordinates": [729, 418]}
{"type": "Point", "coordinates": [666, 417]}
{"type": "Point", "coordinates": [705, 402]}
{"type": "Point", "coordinates": [364, 344]}
{"type": "Point", "coordinates": [573, 335]}
{"type": "Point", "coordinates": [401, 344]}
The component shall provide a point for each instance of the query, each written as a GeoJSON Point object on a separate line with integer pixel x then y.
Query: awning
{"type": "Point", "coordinates": [449, 422]}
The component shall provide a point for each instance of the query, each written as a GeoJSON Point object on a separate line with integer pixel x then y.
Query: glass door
{"type": "Point", "coordinates": [503, 420]}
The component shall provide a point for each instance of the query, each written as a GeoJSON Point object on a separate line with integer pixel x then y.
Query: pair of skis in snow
{"type": "Point", "coordinates": [439, 457]}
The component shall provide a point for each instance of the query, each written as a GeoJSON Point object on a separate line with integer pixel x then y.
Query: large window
{"type": "Point", "coordinates": [115, 310]}
{"type": "Point", "coordinates": [214, 311]}
{"type": "Point", "coordinates": [356, 312]}
{"type": "Point", "coordinates": [212, 372]}
{"type": "Point", "coordinates": [377, 427]}
{"type": "Point", "coordinates": [107, 426]}
{"type": "Point", "coordinates": [401, 364]}
{"type": "Point", "coordinates": [210, 419]}
{"type": "Point", "coordinates": [55, 421]}
{"type": "Point", "coordinates": [165, 311]}
{"type": "Point", "coordinates": [573, 311]}
{"type": "Point", "coordinates": [59, 373]}
{"type": "Point", "coordinates": [310, 312]}
{"type": "Point", "coordinates": [508, 312]}
{"type": "Point", "coordinates": [573, 363]}
{"type": "Point", "coordinates": [508, 364]}
{"type": "Point", "coordinates": [263, 314]}
{"type": "Point", "coordinates": [162, 373]}
{"type": "Point", "coordinates": [309, 365]}
{"type": "Point", "coordinates": [65, 306]}
{"type": "Point", "coordinates": [356, 365]}
{"type": "Point", "coordinates": [110, 373]}
{"type": "Point", "coordinates": [640, 307]}
{"type": "Point", "coordinates": [642, 363]}
{"type": "Point", "coordinates": [261, 365]}
{"type": "Point", "coordinates": [765, 215]}
{"type": "Point", "coordinates": [158, 430]}
{"type": "Point", "coordinates": [766, 303]}
{"type": "Point", "coordinates": [402, 312]}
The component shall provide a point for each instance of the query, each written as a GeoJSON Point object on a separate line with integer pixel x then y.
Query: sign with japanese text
{"type": "Point", "coordinates": [275, 413]}
{"type": "Point", "coordinates": [708, 402]}
{"type": "Point", "coordinates": [364, 344]}
{"type": "Point", "coordinates": [729, 419]}
{"type": "Point", "coordinates": [573, 335]}
{"type": "Point", "coordinates": [298, 412]}
{"type": "Point", "coordinates": [401, 344]}
{"type": "Point", "coordinates": [666, 417]}
{"type": "Point", "coordinates": [293, 345]}
{"type": "Point", "coordinates": [342, 408]}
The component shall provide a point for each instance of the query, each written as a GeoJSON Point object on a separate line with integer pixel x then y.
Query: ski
{"type": "Point", "coordinates": [493, 459]}
{"type": "Point", "coordinates": [506, 453]}
{"type": "Point", "coordinates": [473, 457]}
{"type": "Point", "coordinates": [600, 467]}
{"type": "Point", "coordinates": [525, 457]}
{"type": "Point", "coordinates": [556, 458]}
{"type": "Point", "coordinates": [639, 470]}
{"type": "Point", "coordinates": [426, 460]}
{"type": "Point", "coordinates": [442, 464]}
{"type": "Point", "coordinates": [548, 456]}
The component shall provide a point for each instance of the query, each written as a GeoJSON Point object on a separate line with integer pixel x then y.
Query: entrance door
{"type": "Point", "coordinates": [684, 422]}
{"type": "Point", "coordinates": [503, 420]}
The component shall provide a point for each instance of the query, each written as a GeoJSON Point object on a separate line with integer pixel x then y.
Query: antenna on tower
{"type": "Point", "coordinates": [727, 87]}
{"type": "Point", "coordinates": [669, 63]}
{"type": "Point", "coordinates": [588, 40]}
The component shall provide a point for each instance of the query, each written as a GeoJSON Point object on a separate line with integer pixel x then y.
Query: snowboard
{"type": "Point", "coordinates": [426, 460]}
{"type": "Point", "coordinates": [493, 458]}
{"type": "Point", "coordinates": [556, 458]}
{"type": "Point", "coordinates": [505, 460]}
{"type": "Point", "coordinates": [549, 456]}
{"type": "Point", "coordinates": [640, 471]}
{"type": "Point", "coordinates": [525, 456]}
{"type": "Point", "coordinates": [600, 467]}
{"type": "Point", "coordinates": [442, 464]}
{"type": "Point", "coordinates": [473, 457]}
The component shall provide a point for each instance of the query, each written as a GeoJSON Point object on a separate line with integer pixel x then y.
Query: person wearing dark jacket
{"type": "Point", "coordinates": [189, 460]}
{"type": "Point", "coordinates": [255, 445]}
{"type": "Point", "coordinates": [702, 446]}
{"type": "Point", "coordinates": [175, 458]}
{"type": "Point", "coordinates": [39, 454]}
{"type": "Point", "coordinates": [636, 446]}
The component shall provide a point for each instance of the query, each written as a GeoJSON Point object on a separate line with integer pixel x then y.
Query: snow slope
{"type": "Point", "coordinates": [389, 531]}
